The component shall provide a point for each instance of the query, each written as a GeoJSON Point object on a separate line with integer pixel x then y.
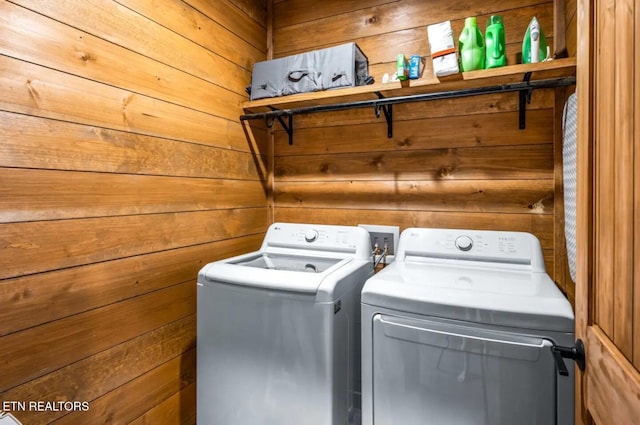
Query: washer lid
{"type": "Point", "coordinates": [292, 263]}
{"type": "Point", "coordinates": [512, 298]}
{"type": "Point", "coordinates": [278, 271]}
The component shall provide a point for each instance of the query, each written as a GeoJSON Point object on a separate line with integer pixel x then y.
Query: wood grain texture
{"type": "Point", "coordinates": [34, 247]}
{"type": "Point", "coordinates": [179, 409]}
{"type": "Point", "coordinates": [391, 17]}
{"type": "Point", "coordinates": [623, 228]}
{"type": "Point", "coordinates": [483, 130]}
{"type": "Point", "coordinates": [585, 258]}
{"type": "Point", "coordinates": [234, 17]}
{"type": "Point", "coordinates": [466, 106]}
{"type": "Point", "coordinates": [608, 271]}
{"type": "Point", "coordinates": [31, 195]}
{"type": "Point", "coordinates": [128, 402]}
{"type": "Point", "coordinates": [605, 167]}
{"type": "Point", "coordinates": [489, 196]}
{"type": "Point", "coordinates": [124, 27]}
{"type": "Point", "coordinates": [413, 40]}
{"type": "Point", "coordinates": [61, 47]}
{"type": "Point", "coordinates": [35, 90]}
{"type": "Point", "coordinates": [559, 27]}
{"type": "Point", "coordinates": [57, 344]}
{"type": "Point", "coordinates": [198, 27]}
{"type": "Point", "coordinates": [571, 27]}
{"type": "Point", "coordinates": [62, 293]}
{"type": "Point", "coordinates": [613, 392]}
{"type": "Point", "coordinates": [636, 203]}
{"type": "Point", "coordinates": [33, 142]}
{"type": "Point", "coordinates": [298, 11]}
{"type": "Point", "coordinates": [256, 10]}
{"type": "Point", "coordinates": [89, 378]}
{"type": "Point", "coordinates": [509, 162]}
{"type": "Point", "coordinates": [123, 170]}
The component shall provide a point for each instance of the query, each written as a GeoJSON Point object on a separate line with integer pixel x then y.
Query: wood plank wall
{"type": "Point", "coordinates": [459, 163]}
{"type": "Point", "coordinates": [571, 29]}
{"type": "Point", "coordinates": [123, 169]}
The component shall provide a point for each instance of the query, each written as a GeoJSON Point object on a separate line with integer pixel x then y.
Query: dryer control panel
{"type": "Point", "coordinates": [515, 248]}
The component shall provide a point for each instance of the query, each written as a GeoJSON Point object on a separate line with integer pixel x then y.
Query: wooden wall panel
{"type": "Point", "coordinates": [123, 170]}
{"type": "Point", "coordinates": [604, 199]}
{"type": "Point", "coordinates": [60, 293]}
{"type": "Point", "coordinates": [608, 276]}
{"type": "Point", "coordinates": [29, 195]}
{"type": "Point", "coordinates": [460, 163]}
{"type": "Point", "coordinates": [623, 226]}
{"type": "Point", "coordinates": [412, 39]}
{"type": "Point", "coordinates": [128, 402]}
{"type": "Point", "coordinates": [94, 376]}
{"type": "Point", "coordinates": [124, 27]}
{"type": "Point", "coordinates": [34, 142]}
{"type": "Point", "coordinates": [392, 17]}
{"type": "Point", "coordinates": [636, 197]}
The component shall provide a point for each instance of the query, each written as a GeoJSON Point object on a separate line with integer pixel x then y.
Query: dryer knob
{"type": "Point", "coordinates": [311, 235]}
{"type": "Point", "coordinates": [464, 243]}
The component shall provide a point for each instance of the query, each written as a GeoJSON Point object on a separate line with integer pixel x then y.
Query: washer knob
{"type": "Point", "coordinates": [464, 243]}
{"type": "Point", "coordinates": [311, 235]}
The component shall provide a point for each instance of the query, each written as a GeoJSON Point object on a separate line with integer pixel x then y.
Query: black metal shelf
{"type": "Point", "coordinates": [384, 104]}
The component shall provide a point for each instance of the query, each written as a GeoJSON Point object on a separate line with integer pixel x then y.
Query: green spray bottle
{"type": "Point", "coordinates": [471, 46]}
{"type": "Point", "coordinates": [495, 43]}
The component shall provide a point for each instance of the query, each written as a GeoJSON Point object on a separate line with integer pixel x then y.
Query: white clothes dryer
{"type": "Point", "coordinates": [466, 328]}
{"type": "Point", "coordinates": [278, 332]}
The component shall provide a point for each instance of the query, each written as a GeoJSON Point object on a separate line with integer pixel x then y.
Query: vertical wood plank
{"type": "Point", "coordinates": [559, 27]}
{"type": "Point", "coordinates": [636, 271]}
{"type": "Point", "coordinates": [623, 178]}
{"type": "Point", "coordinates": [605, 164]}
{"type": "Point", "coordinates": [584, 204]}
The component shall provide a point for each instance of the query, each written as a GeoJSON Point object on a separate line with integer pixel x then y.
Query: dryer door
{"type": "Point", "coordinates": [447, 372]}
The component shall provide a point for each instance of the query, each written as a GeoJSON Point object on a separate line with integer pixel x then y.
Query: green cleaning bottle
{"type": "Point", "coordinates": [534, 44]}
{"type": "Point", "coordinates": [495, 41]}
{"type": "Point", "coordinates": [471, 45]}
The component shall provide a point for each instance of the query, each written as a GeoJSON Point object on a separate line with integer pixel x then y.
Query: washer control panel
{"type": "Point", "coordinates": [318, 237]}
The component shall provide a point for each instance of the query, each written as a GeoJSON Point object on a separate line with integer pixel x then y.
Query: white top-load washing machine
{"type": "Point", "coordinates": [278, 337]}
{"type": "Point", "coordinates": [464, 328]}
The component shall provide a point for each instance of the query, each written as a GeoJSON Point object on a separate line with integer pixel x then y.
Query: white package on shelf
{"type": "Point", "coordinates": [443, 49]}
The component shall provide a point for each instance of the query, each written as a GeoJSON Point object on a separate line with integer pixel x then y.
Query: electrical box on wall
{"type": "Point", "coordinates": [383, 236]}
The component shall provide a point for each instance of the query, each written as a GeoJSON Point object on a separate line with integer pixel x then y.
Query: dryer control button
{"type": "Point", "coordinates": [464, 243]}
{"type": "Point", "coordinates": [311, 235]}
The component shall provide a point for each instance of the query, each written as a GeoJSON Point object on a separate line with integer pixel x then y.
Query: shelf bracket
{"type": "Point", "coordinates": [287, 127]}
{"type": "Point", "coordinates": [525, 98]}
{"type": "Point", "coordinates": [387, 110]}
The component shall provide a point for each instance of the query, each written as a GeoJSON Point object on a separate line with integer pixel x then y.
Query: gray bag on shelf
{"type": "Point", "coordinates": [333, 67]}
